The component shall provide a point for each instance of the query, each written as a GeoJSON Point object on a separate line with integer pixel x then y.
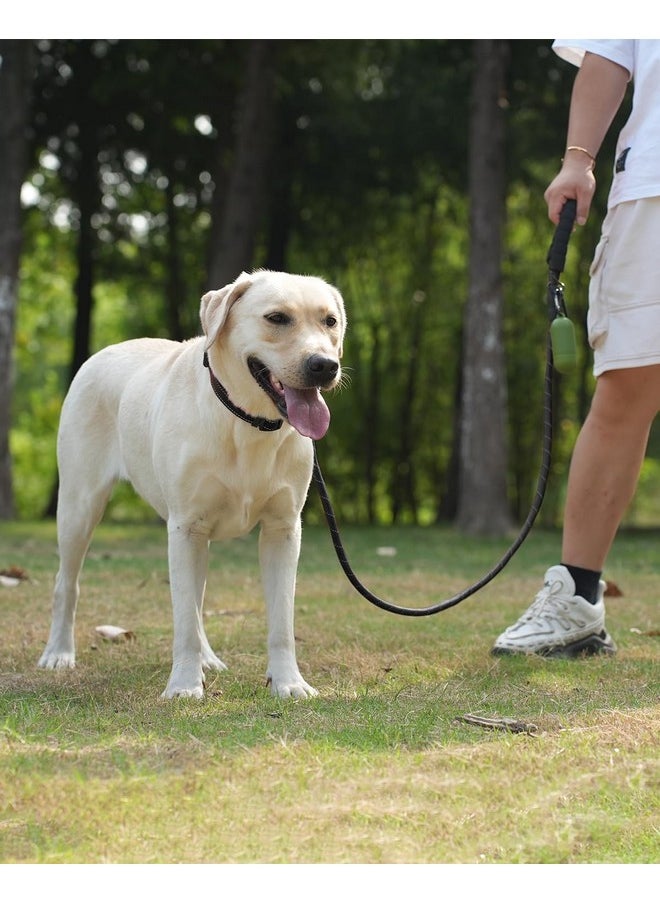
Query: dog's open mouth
{"type": "Point", "coordinates": [305, 409]}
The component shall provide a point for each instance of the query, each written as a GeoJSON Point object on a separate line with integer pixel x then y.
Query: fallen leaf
{"type": "Point", "coordinates": [612, 589]}
{"type": "Point", "coordinates": [116, 635]}
{"type": "Point", "coordinates": [12, 576]}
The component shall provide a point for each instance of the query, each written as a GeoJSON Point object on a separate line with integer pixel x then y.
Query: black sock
{"type": "Point", "coordinates": [586, 582]}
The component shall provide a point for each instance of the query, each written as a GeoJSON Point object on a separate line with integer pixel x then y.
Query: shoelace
{"type": "Point", "coordinates": [537, 611]}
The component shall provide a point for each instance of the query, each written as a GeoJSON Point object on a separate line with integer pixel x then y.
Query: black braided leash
{"type": "Point", "coordinates": [556, 259]}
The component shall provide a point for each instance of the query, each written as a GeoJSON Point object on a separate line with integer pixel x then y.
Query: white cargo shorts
{"type": "Point", "coordinates": [624, 292]}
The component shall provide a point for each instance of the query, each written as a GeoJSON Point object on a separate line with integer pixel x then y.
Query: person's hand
{"type": "Point", "coordinates": [574, 180]}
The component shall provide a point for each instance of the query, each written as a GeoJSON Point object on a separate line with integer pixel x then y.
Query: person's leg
{"type": "Point", "coordinates": [562, 620]}
{"type": "Point", "coordinates": [606, 462]}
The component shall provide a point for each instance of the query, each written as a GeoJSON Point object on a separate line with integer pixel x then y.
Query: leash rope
{"type": "Point", "coordinates": [556, 259]}
{"type": "Point", "coordinates": [508, 555]}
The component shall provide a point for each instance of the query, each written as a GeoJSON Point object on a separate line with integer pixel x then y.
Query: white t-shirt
{"type": "Point", "coordinates": [637, 159]}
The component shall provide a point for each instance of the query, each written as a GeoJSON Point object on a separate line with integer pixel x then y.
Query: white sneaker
{"type": "Point", "coordinates": [558, 623]}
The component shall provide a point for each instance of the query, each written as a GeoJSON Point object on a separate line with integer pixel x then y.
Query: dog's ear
{"type": "Point", "coordinates": [336, 294]}
{"type": "Point", "coordinates": [216, 304]}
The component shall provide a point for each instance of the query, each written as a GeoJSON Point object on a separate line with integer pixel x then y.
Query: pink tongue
{"type": "Point", "coordinates": [307, 412]}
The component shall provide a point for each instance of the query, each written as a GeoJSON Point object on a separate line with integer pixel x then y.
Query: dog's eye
{"type": "Point", "coordinates": [331, 320]}
{"type": "Point", "coordinates": [278, 318]}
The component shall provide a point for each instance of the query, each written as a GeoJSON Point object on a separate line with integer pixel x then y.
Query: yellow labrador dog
{"type": "Point", "coordinates": [216, 434]}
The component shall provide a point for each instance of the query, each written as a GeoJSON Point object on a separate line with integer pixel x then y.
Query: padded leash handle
{"type": "Point", "coordinates": [557, 254]}
{"type": "Point", "coordinates": [562, 332]}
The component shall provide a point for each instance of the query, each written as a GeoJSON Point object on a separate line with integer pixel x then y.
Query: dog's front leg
{"type": "Point", "coordinates": [279, 550]}
{"type": "Point", "coordinates": [60, 651]}
{"type": "Point", "coordinates": [188, 554]}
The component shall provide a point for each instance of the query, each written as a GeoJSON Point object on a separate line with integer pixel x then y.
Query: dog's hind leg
{"type": "Point", "coordinates": [78, 513]}
{"type": "Point", "coordinates": [209, 658]}
{"type": "Point", "coordinates": [88, 469]}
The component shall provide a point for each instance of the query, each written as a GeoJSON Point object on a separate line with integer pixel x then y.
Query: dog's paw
{"type": "Point", "coordinates": [186, 680]}
{"type": "Point", "coordinates": [171, 693]}
{"type": "Point", "coordinates": [295, 687]}
{"type": "Point", "coordinates": [177, 686]}
{"type": "Point", "coordinates": [57, 659]}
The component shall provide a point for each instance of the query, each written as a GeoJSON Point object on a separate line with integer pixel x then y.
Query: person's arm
{"type": "Point", "coordinates": [599, 88]}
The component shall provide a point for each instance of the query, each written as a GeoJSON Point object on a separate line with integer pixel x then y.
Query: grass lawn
{"type": "Point", "coordinates": [381, 768]}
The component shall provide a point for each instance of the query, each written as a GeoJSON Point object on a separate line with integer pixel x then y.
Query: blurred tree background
{"type": "Point", "coordinates": [157, 169]}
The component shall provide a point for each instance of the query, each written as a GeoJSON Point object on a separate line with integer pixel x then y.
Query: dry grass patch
{"type": "Point", "coordinates": [95, 767]}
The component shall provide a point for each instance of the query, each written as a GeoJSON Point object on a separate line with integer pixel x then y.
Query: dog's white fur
{"type": "Point", "coordinates": [144, 411]}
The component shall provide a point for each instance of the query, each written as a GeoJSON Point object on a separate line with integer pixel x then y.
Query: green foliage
{"type": "Point", "coordinates": [368, 188]}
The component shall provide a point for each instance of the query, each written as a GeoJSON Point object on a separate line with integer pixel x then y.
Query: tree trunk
{"type": "Point", "coordinates": [174, 292]}
{"type": "Point", "coordinates": [448, 502]}
{"type": "Point", "coordinates": [483, 507]}
{"type": "Point", "coordinates": [403, 481]}
{"type": "Point", "coordinates": [84, 284]}
{"type": "Point", "coordinates": [85, 192]}
{"type": "Point", "coordinates": [371, 418]}
{"type": "Point", "coordinates": [15, 59]}
{"type": "Point", "coordinates": [244, 205]}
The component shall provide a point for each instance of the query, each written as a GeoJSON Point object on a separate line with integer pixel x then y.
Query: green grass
{"type": "Point", "coordinates": [96, 768]}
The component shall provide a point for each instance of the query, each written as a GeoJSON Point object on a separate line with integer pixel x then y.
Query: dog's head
{"type": "Point", "coordinates": [288, 332]}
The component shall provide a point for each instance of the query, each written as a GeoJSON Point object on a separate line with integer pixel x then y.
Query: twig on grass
{"type": "Point", "coordinates": [514, 725]}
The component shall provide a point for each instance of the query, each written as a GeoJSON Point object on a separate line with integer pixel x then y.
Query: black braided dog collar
{"type": "Point", "coordinates": [261, 423]}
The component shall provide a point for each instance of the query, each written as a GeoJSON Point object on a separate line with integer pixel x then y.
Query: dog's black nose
{"type": "Point", "coordinates": [320, 370]}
